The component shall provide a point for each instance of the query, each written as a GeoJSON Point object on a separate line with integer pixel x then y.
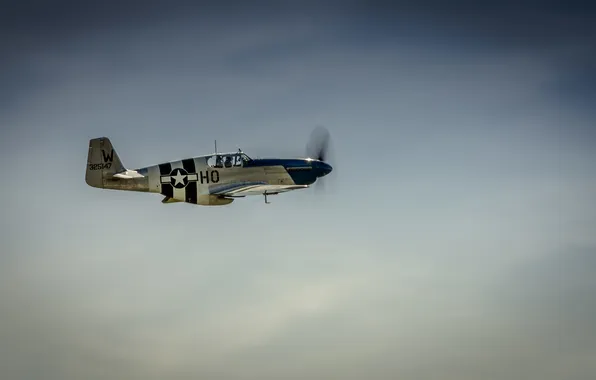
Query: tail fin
{"type": "Point", "coordinates": [102, 162]}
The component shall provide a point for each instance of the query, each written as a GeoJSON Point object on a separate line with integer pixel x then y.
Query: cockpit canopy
{"type": "Point", "coordinates": [227, 160]}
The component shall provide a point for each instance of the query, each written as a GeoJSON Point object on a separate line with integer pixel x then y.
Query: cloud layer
{"type": "Point", "coordinates": [455, 240]}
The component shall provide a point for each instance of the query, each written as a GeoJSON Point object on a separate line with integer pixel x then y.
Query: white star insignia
{"type": "Point", "coordinates": [179, 178]}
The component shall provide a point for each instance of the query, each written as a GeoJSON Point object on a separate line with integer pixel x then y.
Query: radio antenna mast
{"type": "Point", "coordinates": [215, 146]}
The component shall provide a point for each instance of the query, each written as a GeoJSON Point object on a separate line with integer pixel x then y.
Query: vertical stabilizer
{"type": "Point", "coordinates": [102, 162]}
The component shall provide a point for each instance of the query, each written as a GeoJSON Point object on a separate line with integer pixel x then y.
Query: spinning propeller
{"type": "Point", "coordinates": [317, 147]}
{"type": "Point", "coordinates": [318, 144]}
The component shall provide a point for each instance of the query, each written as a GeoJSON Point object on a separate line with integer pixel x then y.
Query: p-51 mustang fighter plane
{"type": "Point", "coordinates": [210, 180]}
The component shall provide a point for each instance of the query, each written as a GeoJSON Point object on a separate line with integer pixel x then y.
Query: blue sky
{"type": "Point", "coordinates": [454, 239]}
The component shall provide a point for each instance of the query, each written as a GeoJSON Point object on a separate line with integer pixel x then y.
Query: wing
{"type": "Point", "coordinates": [243, 189]}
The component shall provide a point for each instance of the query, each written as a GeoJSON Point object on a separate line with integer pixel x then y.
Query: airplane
{"type": "Point", "coordinates": [215, 179]}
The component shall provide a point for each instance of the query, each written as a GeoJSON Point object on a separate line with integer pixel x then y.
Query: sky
{"type": "Point", "coordinates": [453, 240]}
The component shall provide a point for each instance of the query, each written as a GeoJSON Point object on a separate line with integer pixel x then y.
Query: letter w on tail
{"type": "Point", "coordinates": [108, 157]}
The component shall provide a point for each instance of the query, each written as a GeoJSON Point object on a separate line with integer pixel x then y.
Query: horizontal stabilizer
{"type": "Point", "coordinates": [128, 174]}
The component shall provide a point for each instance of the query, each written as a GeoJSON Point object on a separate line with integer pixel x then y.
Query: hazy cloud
{"type": "Point", "coordinates": [455, 239]}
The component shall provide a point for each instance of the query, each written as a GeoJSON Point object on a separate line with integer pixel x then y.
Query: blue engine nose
{"type": "Point", "coordinates": [321, 168]}
{"type": "Point", "coordinates": [304, 171]}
